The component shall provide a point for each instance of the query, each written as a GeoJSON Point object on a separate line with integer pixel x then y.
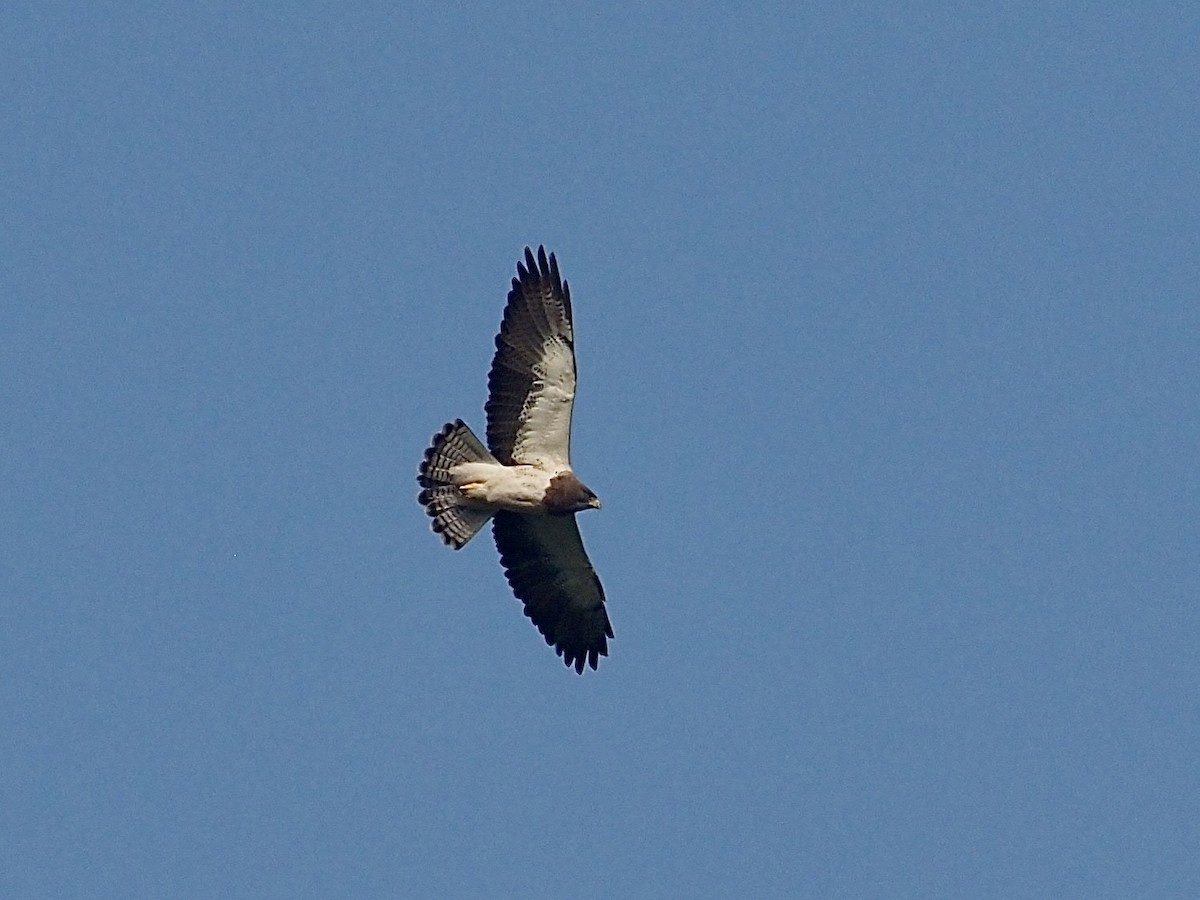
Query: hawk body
{"type": "Point", "coordinates": [522, 480]}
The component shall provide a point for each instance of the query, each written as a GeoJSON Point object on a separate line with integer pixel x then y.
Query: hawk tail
{"type": "Point", "coordinates": [454, 444]}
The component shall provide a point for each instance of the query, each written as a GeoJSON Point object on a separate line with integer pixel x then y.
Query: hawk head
{"type": "Point", "coordinates": [567, 494]}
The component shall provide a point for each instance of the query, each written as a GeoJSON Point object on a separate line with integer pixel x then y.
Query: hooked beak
{"type": "Point", "coordinates": [594, 502]}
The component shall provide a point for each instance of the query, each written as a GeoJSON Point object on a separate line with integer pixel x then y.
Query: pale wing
{"type": "Point", "coordinates": [550, 573]}
{"type": "Point", "coordinates": [531, 386]}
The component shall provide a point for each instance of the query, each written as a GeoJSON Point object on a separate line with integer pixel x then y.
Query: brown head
{"type": "Point", "coordinates": [567, 494]}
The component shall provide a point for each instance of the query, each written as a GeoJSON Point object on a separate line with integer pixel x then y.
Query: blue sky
{"type": "Point", "coordinates": [887, 326]}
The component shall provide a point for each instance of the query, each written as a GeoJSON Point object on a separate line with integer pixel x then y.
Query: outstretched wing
{"type": "Point", "coordinates": [550, 573]}
{"type": "Point", "coordinates": [531, 387]}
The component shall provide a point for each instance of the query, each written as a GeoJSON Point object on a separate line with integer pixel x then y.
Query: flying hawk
{"type": "Point", "coordinates": [522, 479]}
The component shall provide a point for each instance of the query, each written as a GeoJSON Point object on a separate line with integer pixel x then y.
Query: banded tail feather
{"type": "Point", "coordinates": [454, 444]}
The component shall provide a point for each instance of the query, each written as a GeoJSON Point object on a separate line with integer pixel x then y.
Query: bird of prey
{"type": "Point", "coordinates": [522, 480]}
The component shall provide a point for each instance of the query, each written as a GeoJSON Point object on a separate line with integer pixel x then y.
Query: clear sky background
{"type": "Point", "coordinates": [888, 329]}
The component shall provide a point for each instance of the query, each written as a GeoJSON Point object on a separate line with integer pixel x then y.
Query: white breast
{"type": "Point", "coordinates": [502, 487]}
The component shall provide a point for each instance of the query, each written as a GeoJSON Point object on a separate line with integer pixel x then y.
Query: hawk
{"type": "Point", "coordinates": [522, 480]}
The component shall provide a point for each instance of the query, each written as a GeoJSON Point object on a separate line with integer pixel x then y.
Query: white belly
{"type": "Point", "coordinates": [502, 487]}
